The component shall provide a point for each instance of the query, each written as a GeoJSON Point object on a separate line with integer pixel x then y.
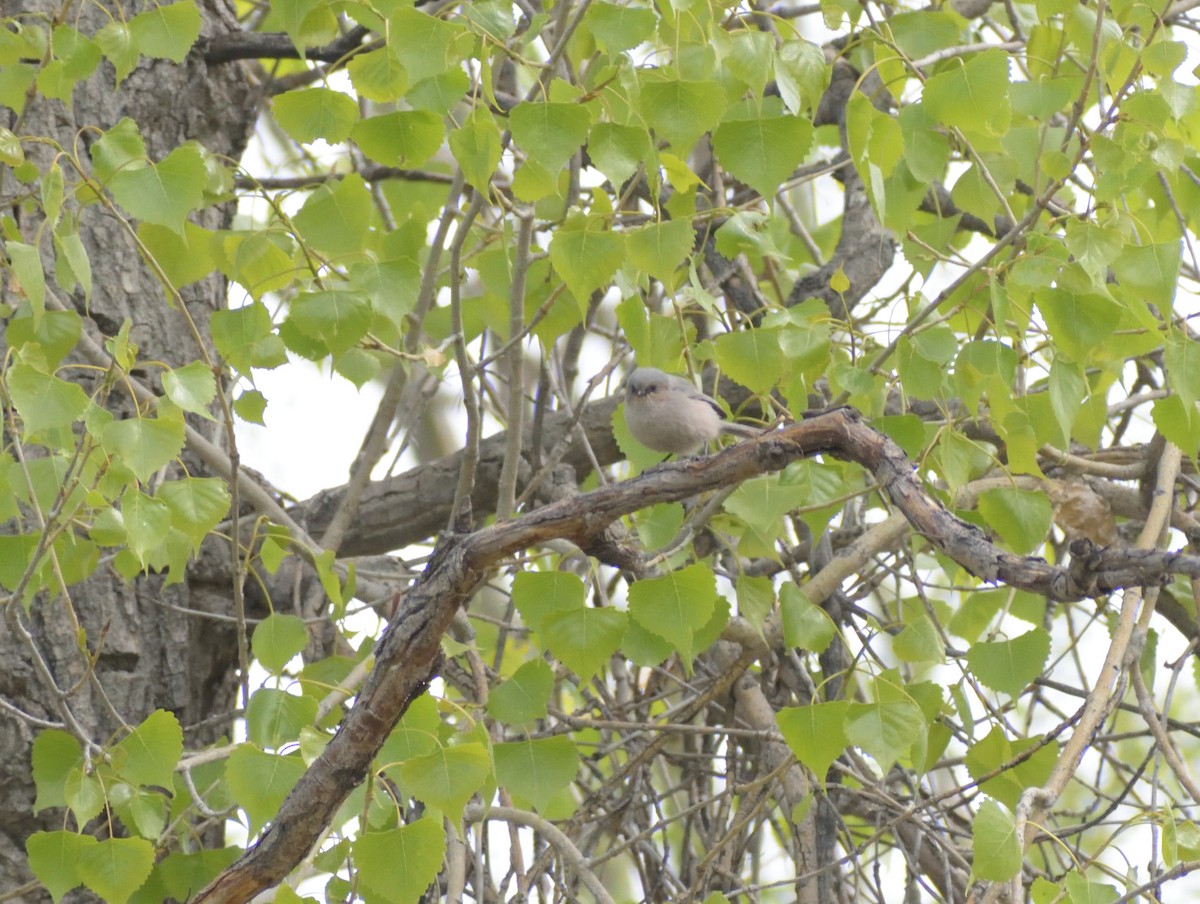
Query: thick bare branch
{"type": "Point", "coordinates": [248, 45]}
{"type": "Point", "coordinates": [407, 656]}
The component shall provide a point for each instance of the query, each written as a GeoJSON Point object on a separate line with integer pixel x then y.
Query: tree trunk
{"type": "Point", "coordinates": [143, 655]}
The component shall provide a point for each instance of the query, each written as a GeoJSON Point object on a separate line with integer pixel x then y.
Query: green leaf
{"type": "Point", "coordinates": [1081, 891]}
{"type": "Point", "coordinates": [52, 191]}
{"type": "Point", "coordinates": [11, 151]}
{"type": "Point", "coordinates": [391, 284]}
{"type": "Point", "coordinates": [192, 388]}
{"type": "Point", "coordinates": [379, 75]}
{"type": "Point", "coordinates": [1093, 246]}
{"type": "Point", "coordinates": [1020, 517]}
{"type": "Point", "coordinates": [197, 505]}
{"type": "Point", "coordinates": [755, 599]}
{"type": "Point", "coordinates": [476, 147]}
{"type": "Point", "coordinates": [764, 151]}
{"type": "Point", "coordinates": [586, 255]}
{"type": "Point", "coordinates": [163, 193]}
{"type": "Point", "coordinates": [16, 553]}
{"type": "Point", "coordinates": [277, 639]}
{"type": "Point", "coordinates": [184, 875]}
{"type": "Point", "coordinates": [1068, 389]}
{"type": "Point", "coordinates": [78, 557]}
{"type": "Point", "coordinates": [400, 864]}
{"type": "Point", "coordinates": [72, 266]}
{"type": "Point", "coordinates": [415, 736]}
{"type": "Point", "coordinates": [886, 729]}
{"type": "Point", "coordinates": [491, 19]}
{"type": "Point", "coordinates": [923, 33]}
{"type": "Point", "coordinates": [972, 95]}
{"type": "Point", "coordinates": [423, 42]}
{"type": "Point", "coordinates": [148, 754]}
{"type": "Point", "coordinates": [1151, 271]}
{"type": "Point", "coordinates": [404, 138]}
{"type": "Point", "coordinates": [549, 132]}
{"type": "Point", "coordinates": [250, 405]}
{"type": "Point", "coordinates": [802, 74]}
{"type": "Point", "coordinates": [245, 339]}
{"type": "Point", "coordinates": [307, 22]}
{"type": "Point", "coordinates": [144, 445]}
{"type": "Point", "coordinates": [761, 502]}
{"type": "Point", "coordinates": [676, 605]}
{"type": "Point", "coordinates": [116, 867]}
{"type": "Point", "coordinates": [55, 755]}
{"type": "Point", "coordinates": [274, 717]}
{"type": "Point", "coordinates": [659, 248]}
{"type": "Point", "coordinates": [680, 110]}
{"type": "Point", "coordinates": [619, 28]}
{"type": "Point", "coordinates": [260, 261]}
{"type": "Point", "coordinates": [751, 58]}
{"type": "Point", "coordinates": [439, 93]}
{"type": "Point", "coordinates": [116, 40]}
{"type": "Point", "coordinates": [617, 150]}
{"type": "Point", "coordinates": [996, 847]}
{"type": "Point", "coordinates": [996, 750]}
{"type": "Point", "coordinates": [185, 257]}
{"type": "Point", "coordinates": [330, 583]}
{"type": "Point", "coordinates": [336, 319]}
{"type": "Point", "coordinates": [1182, 358]}
{"type": "Point", "coordinates": [260, 781]}
{"type": "Point", "coordinates": [55, 858]}
{"type": "Point", "coordinates": [524, 697]}
{"type": "Point", "coordinates": [753, 358]}
{"type": "Point", "coordinates": [311, 113]}
{"type": "Point", "coordinates": [1007, 666]}
{"type": "Point", "coordinates": [146, 522]}
{"type": "Point", "coordinates": [120, 148]}
{"type": "Point", "coordinates": [166, 32]}
{"type": "Point", "coordinates": [805, 625]}
{"type": "Point", "coordinates": [335, 220]}
{"type": "Point", "coordinates": [27, 267]}
{"type": "Point", "coordinates": [922, 374]}
{"type": "Point", "coordinates": [538, 769]}
{"type": "Point", "coordinates": [44, 401]}
{"type": "Point", "coordinates": [447, 777]}
{"type": "Point", "coordinates": [538, 594]}
{"type": "Point", "coordinates": [816, 733]}
{"type": "Point", "coordinates": [144, 811]}
{"type": "Point", "coordinates": [15, 81]}
{"type": "Point", "coordinates": [919, 641]}
{"type": "Point", "coordinates": [85, 795]}
{"type": "Point", "coordinates": [1179, 423]}
{"type": "Point", "coordinates": [1181, 838]}
{"type": "Point", "coordinates": [747, 231]}
{"type": "Point", "coordinates": [75, 58]}
{"type": "Point", "coordinates": [584, 639]}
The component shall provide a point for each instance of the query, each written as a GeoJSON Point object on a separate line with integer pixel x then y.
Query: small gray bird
{"type": "Point", "coordinates": [669, 414]}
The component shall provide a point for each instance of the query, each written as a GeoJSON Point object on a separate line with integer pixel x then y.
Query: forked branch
{"type": "Point", "coordinates": [408, 654]}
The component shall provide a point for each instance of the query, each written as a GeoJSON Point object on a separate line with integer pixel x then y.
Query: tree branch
{"type": "Point", "coordinates": [408, 654]}
{"type": "Point", "coordinates": [248, 45]}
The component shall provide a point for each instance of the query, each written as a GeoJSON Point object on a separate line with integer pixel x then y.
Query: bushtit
{"type": "Point", "coordinates": [669, 414]}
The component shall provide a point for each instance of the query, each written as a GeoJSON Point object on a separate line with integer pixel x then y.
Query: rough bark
{"type": "Point", "coordinates": [146, 657]}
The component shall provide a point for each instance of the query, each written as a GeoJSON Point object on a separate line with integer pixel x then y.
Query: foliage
{"type": "Point", "coordinates": [974, 225]}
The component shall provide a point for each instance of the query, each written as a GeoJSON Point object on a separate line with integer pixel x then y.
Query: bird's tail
{"type": "Point", "coordinates": [743, 431]}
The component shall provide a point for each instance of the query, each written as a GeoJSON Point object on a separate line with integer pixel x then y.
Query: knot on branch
{"type": "Point", "coordinates": [1099, 570]}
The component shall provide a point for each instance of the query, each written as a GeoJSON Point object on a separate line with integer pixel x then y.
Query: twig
{"type": "Point", "coordinates": [509, 470]}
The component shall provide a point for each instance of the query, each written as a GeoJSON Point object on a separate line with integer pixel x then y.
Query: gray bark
{"type": "Point", "coordinates": [146, 656]}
